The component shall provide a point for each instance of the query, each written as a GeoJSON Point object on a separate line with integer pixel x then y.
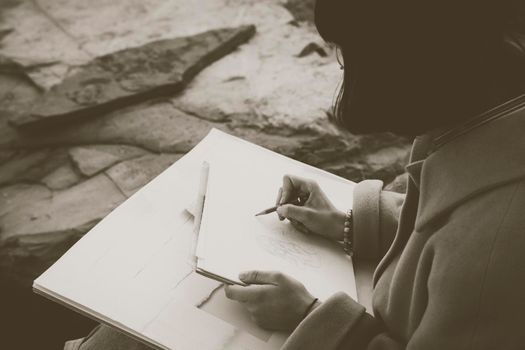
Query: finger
{"type": "Point", "coordinates": [295, 185]}
{"type": "Point", "coordinates": [294, 212]}
{"type": "Point", "coordinates": [278, 200]}
{"type": "Point", "coordinates": [246, 293]}
{"type": "Point", "coordinates": [260, 277]}
{"type": "Point", "coordinates": [279, 194]}
{"type": "Point", "coordinates": [288, 189]}
{"type": "Point", "coordinates": [292, 185]}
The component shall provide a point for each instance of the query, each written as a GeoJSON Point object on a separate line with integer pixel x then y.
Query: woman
{"type": "Point", "coordinates": [452, 263]}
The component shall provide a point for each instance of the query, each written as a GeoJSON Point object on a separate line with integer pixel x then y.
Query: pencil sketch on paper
{"type": "Point", "coordinates": [289, 251]}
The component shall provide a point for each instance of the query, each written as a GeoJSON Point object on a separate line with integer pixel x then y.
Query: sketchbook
{"type": "Point", "coordinates": [232, 239]}
{"type": "Point", "coordinates": [136, 269]}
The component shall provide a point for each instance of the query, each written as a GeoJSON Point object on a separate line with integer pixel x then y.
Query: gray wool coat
{"type": "Point", "coordinates": [452, 253]}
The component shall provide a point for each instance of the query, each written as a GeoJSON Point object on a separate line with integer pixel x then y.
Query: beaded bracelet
{"type": "Point", "coordinates": [347, 231]}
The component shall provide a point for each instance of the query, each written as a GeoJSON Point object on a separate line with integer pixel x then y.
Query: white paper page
{"type": "Point", "coordinates": [232, 239]}
{"type": "Point", "coordinates": [134, 269]}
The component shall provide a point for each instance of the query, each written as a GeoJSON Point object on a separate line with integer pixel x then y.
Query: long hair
{"type": "Point", "coordinates": [410, 66]}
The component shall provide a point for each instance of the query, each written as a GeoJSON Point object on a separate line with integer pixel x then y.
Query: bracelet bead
{"type": "Point", "coordinates": [347, 242]}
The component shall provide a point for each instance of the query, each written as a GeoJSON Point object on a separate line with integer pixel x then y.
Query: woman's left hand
{"type": "Point", "coordinates": [274, 300]}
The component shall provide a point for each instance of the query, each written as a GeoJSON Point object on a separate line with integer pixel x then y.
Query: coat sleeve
{"type": "Point", "coordinates": [376, 215]}
{"type": "Point", "coordinates": [458, 316]}
{"type": "Point", "coordinates": [475, 296]}
{"type": "Point", "coordinates": [338, 323]}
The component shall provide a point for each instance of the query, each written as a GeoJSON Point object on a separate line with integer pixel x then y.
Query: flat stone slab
{"type": "Point", "coordinates": [132, 75]}
{"type": "Point", "coordinates": [158, 127]}
{"type": "Point", "coordinates": [129, 176]}
{"type": "Point", "coordinates": [62, 177]}
{"type": "Point", "coordinates": [90, 160]}
{"type": "Point", "coordinates": [56, 183]}
{"type": "Point", "coordinates": [302, 10]}
{"type": "Point", "coordinates": [5, 32]}
{"type": "Point", "coordinates": [31, 166]}
{"type": "Point", "coordinates": [38, 224]}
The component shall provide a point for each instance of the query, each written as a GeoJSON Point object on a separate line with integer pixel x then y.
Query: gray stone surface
{"type": "Point", "coordinates": [39, 224]}
{"type": "Point", "coordinates": [133, 75]}
{"type": "Point", "coordinates": [312, 48]}
{"type": "Point", "coordinates": [57, 182]}
{"type": "Point", "coordinates": [302, 10]}
{"type": "Point", "coordinates": [17, 94]}
{"type": "Point", "coordinates": [7, 65]}
{"type": "Point", "coordinates": [60, 210]}
{"type": "Point", "coordinates": [90, 160]}
{"type": "Point", "coordinates": [157, 127]}
{"type": "Point", "coordinates": [131, 175]}
{"type": "Point", "coordinates": [62, 177]}
{"type": "Point", "coordinates": [5, 32]}
{"type": "Point", "coordinates": [31, 165]}
{"type": "Point", "coordinates": [19, 65]}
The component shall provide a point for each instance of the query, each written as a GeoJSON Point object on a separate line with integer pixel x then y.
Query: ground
{"type": "Point", "coordinates": [99, 97]}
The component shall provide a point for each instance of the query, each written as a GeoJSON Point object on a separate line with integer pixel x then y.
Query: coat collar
{"type": "Point", "coordinates": [482, 157]}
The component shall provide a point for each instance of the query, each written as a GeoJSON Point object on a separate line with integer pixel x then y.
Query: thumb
{"type": "Point", "coordinates": [294, 212]}
{"type": "Point", "coordinates": [260, 277]}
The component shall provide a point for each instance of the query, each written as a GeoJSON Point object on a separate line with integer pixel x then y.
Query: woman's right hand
{"type": "Point", "coordinates": [317, 215]}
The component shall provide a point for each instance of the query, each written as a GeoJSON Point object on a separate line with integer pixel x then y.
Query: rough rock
{"type": "Point", "coordinates": [31, 166]}
{"type": "Point", "coordinates": [36, 35]}
{"type": "Point", "coordinates": [5, 32]}
{"type": "Point", "coordinates": [302, 10]}
{"type": "Point", "coordinates": [17, 93]}
{"type": "Point", "coordinates": [74, 33]}
{"type": "Point", "coordinates": [7, 65]}
{"type": "Point", "coordinates": [264, 83]}
{"type": "Point", "coordinates": [20, 65]}
{"type": "Point", "coordinates": [92, 159]}
{"type": "Point", "coordinates": [16, 197]}
{"type": "Point", "coordinates": [387, 162]}
{"type": "Point", "coordinates": [133, 75]}
{"type": "Point", "coordinates": [157, 127]}
{"type": "Point", "coordinates": [131, 175]}
{"type": "Point", "coordinates": [77, 205]}
{"type": "Point", "coordinates": [262, 92]}
{"type": "Point", "coordinates": [16, 169]}
{"type": "Point", "coordinates": [62, 177]}
{"type": "Point", "coordinates": [384, 163]}
{"type": "Point", "coordinates": [311, 48]}
{"type": "Point", "coordinates": [39, 224]}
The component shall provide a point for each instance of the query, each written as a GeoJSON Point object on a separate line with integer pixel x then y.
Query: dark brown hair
{"type": "Point", "coordinates": [410, 66]}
